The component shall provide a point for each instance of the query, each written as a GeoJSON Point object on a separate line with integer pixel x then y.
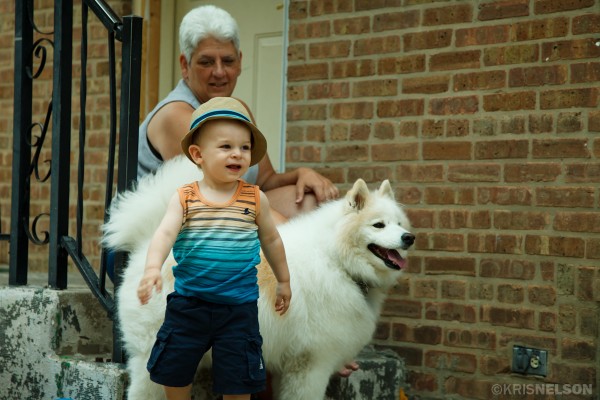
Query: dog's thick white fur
{"type": "Point", "coordinates": [343, 258]}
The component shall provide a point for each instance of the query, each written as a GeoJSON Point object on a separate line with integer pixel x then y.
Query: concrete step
{"type": "Point", "coordinates": [49, 341]}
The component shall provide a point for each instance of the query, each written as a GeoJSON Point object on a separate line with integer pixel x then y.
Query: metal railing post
{"type": "Point", "coordinates": [19, 242]}
{"type": "Point", "coordinates": [61, 142]}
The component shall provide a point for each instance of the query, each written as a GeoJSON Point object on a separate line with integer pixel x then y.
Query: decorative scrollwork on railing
{"type": "Point", "coordinates": [32, 234]}
{"type": "Point", "coordinates": [39, 51]}
{"type": "Point", "coordinates": [32, 21]}
{"type": "Point", "coordinates": [38, 144]}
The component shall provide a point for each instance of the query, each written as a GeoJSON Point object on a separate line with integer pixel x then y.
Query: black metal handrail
{"type": "Point", "coordinates": [61, 244]}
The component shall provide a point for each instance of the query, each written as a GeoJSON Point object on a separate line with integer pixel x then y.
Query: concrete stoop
{"type": "Point", "coordinates": [49, 341]}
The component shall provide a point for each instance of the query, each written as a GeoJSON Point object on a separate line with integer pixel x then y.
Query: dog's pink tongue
{"type": "Point", "coordinates": [395, 257]}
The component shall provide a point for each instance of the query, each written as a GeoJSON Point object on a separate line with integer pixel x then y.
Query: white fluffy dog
{"type": "Point", "coordinates": [343, 258]}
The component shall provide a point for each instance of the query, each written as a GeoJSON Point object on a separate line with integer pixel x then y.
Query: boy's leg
{"type": "Point", "coordinates": [178, 393]}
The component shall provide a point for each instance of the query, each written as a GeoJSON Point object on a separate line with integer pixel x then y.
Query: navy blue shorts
{"type": "Point", "coordinates": [192, 326]}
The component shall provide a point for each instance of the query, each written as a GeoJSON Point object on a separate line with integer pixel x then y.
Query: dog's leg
{"type": "Point", "coordinates": [140, 385]}
{"type": "Point", "coordinates": [304, 385]}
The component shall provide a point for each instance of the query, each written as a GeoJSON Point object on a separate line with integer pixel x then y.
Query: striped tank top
{"type": "Point", "coordinates": [217, 248]}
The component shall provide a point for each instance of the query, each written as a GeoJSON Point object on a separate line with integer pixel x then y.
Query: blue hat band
{"type": "Point", "coordinates": [218, 113]}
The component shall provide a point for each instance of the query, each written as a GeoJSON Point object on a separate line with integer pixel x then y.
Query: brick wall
{"type": "Point", "coordinates": [485, 116]}
{"type": "Point", "coordinates": [97, 125]}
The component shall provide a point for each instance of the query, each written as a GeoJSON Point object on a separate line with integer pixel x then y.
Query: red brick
{"type": "Point", "coordinates": [574, 221]}
{"type": "Point", "coordinates": [455, 60]}
{"type": "Point", "coordinates": [369, 174]}
{"type": "Point", "coordinates": [501, 149]}
{"type": "Point", "coordinates": [503, 9]}
{"type": "Point", "coordinates": [507, 269]}
{"type": "Point", "coordinates": [449, 265]}
{"type": "Point", "coordinates": [566, 197]}
{"type": "Point", "coordinates": [395, 152]}
{"type": "Point", "coordinates": [355, 110]}
{"type": "Point", "coordinates": [471, 339]}
{"type": "Point", "coordinates": [586, 23]}
{"type": "Point", "coordinates": [540, 29]}
{"type": "Point", "coordinates": [432, 128]}
{"type": "Point", "coordinates": [570, 50]}
{"type": "Point", "coordinates": [512, 294]}
{"type": "Point", "coordinates": [379, 88]}
{"type": "Point", "coordinates": [427, 40]}
{"type": "Point", "coordinates": [454, 14]}
{"type": "Point", "coordinates": [548, 321]}
{"type": "Point", "coordinates": [402, 65]}
{"type": "Point", "coordinates": [515, 54]}
{"type": "Point", "coordinates": [585, 72]}
{"type": "Point", "coordinates": [494, 243]}
{"type": "Point", "coordinates": [317, 8]}
{"type": "Point", "coordinates": [330, 90]}
{"type": "Point", "coordinates": [520, 220]}
{"type": "Point", "coordinates": [493, 365]}
{"type": "Point", "coordinates": [444, 361]}
{"type": "Point", "coordinates": [455, 290]}
{"type": "Point", "coordinates": [482, 35]}
{"type": "Point", "coordinates": [569, 122]}
{"type": "Point", "coordinates": [423, 173]}
{"type": "Point", "coordinates": [451, 312]}
{"type": "Point", "coordinates": [446, 151]}
{"type": "Point", "coordinates": [542, 295]}
{"type": "Point", "coordinates": [481, 291]}
{"type": "Point", "coordinates": [454, 105]}
{"type": "Point", "coordinates": [427, 85]}
{"type": "Point", "coordinates": [346, 153]}
{"type": "Point", "coordinates": [538, 76]}
{"type": "Point", "coordinates": [441, 242]}
{"type": "Point", "coordinates": [509, 101]}
{"type": "Point", "coordinates": [484, 80]}
{"type": "Point", "coordinates": [362, 5]}
{"type": "Point", "coordinates": [567, 98]}
{"type": "Point", "coordinates": [449, 195]}
{"type": "Point", "coordinates": [508, 317]}
{"type": "Point", "coordinates": [306, 112]}
{"type": "Point", "coordinates": [399, 108]}
{"type": "Point", "coordinates": [553, 6]}
{"type": "Point", "coordinates": [376, 45]}
{"type": "Point", "coordinates": [425, 289]}
{"type": "Point", "coordinates": [402, 308]}
{"type": "Point", "coordinates": [505, 195]}
{"type": "Point", "coordinates": [351, 26]}
{"type": "Point", "coordinates": [352, 68]}
{"type": "Point", "coordinates": [474, 173]}
{"type": "Point", "coordinates": [457, 127]}
{"type": "Point", "coordinates": [532, 172]}
{"type": "Point", "coordinates": [307, 72]}
{"type": "Point", "coordinates": [338, 49]}
{"type": "Point", "coordinates": [417, 334]}
{"type": "Point", "coordinates": [394, 21]}
{"type": "Point", "coordinates": [541, 123]}
{"type": "Point", "coordinates": [554, 246]}
{"type": "Point", "coordinates": [560, 148]}
{"type": "Point", "coordinates": [578, 173]}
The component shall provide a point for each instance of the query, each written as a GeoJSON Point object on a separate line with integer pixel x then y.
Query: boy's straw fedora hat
{"type": "Point", "coordinates": [225, 108]}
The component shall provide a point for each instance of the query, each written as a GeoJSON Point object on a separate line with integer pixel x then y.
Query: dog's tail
{"type": "Point", "coordinates": [134, 215]}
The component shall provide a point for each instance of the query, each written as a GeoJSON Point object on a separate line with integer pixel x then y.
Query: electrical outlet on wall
{"type": "Point", "coordinates": [529, 361]}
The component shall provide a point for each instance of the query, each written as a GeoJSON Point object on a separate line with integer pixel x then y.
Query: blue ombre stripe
{"type": "Point", "coordinates": [219, 113]}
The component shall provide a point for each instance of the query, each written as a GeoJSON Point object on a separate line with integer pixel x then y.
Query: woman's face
{"type": "Point", "coordinates": [213, 69]}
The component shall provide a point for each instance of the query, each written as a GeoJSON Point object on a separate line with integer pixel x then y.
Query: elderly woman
{"type": "Point", "coordinates": [211, 62]}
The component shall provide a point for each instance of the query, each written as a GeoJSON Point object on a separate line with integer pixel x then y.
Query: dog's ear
{"type": "Point", "coordinates": [357, 196]}
{"type": "Point", "coordinates": [386, 189]}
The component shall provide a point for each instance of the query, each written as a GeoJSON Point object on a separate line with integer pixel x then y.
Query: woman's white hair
{"type": "Point", "coordinates": [204, 22]}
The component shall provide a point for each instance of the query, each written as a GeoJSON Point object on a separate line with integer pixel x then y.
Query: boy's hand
{"type": "Point", "coordinates": [152, 278]}
{"type": "Point", "coordinates": [283, 297]}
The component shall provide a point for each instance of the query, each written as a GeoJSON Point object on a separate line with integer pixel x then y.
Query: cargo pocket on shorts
{"type": "Point", "coordinates": [162, 338]}
{"type": "Point", "coordinates": [256, 365]}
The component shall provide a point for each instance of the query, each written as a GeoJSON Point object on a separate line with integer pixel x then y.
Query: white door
{"type": "Point", "coordinates": [262, 42]}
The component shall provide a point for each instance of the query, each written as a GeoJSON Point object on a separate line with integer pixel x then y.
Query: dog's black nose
{"type": "Point", "coordinates": [408, 239]}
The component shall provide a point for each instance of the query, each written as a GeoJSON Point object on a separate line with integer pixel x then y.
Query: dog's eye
{"type": "Point", "coordinates": [379, 225]}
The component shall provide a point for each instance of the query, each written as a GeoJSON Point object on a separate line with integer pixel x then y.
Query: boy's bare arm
{"type": "Point", "coordinates": [160, 246]}
{"type": "Point", "coordinates": [274, 251]}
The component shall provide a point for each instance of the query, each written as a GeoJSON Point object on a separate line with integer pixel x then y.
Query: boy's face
{"type": "Point", "coordinates": [223, 149]}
